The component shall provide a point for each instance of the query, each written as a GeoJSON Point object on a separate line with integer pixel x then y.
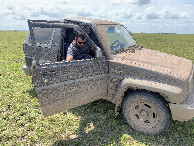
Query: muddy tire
{"type": "Point", "coordinates": [146, 112]}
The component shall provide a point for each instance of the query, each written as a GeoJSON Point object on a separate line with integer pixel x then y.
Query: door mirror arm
{"type": "Point", "coordinates": [98, 52]}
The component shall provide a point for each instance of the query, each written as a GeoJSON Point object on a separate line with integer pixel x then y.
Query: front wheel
{"type": "Point", "coordinates": [146, 112]}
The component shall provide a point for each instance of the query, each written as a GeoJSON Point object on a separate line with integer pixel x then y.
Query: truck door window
{"type": "Point", "coordinates": [48, 44]}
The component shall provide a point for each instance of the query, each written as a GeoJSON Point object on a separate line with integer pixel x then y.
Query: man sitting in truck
{"type": "Point", "coordinates": [79, 49]}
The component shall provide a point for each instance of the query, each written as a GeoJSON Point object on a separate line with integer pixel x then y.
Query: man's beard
{"type": "Point", "coordinates": [80, 47]}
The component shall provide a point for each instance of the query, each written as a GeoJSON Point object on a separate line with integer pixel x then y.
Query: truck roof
{"type": "Point", "coordinates": [90, 20]}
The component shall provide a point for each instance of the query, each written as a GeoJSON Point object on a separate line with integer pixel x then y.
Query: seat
{"type": "Point", "coordinates": [70, 39]}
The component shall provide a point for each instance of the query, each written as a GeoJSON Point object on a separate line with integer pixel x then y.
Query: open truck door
{"type": "Point", "coordinates": [62, 85]}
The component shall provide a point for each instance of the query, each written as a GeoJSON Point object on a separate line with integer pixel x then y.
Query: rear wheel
{"type": "Point", "coordinates": [146, 112]}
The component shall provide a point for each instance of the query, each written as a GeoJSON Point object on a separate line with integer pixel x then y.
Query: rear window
{"type": "Point", "coordinates": [42, 35]}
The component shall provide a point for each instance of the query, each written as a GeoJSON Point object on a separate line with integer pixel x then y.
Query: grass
{"type": "Point", "coordinates": [22, 123]}
{"type": "Point", "coordinates": [176, 44]}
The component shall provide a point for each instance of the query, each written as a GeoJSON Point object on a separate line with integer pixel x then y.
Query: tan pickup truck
{"type": "Point", "coordinates": [148, 86]}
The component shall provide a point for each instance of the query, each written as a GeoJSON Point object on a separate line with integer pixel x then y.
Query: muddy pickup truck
{"type": "Point", "coordinates": [147, 86]}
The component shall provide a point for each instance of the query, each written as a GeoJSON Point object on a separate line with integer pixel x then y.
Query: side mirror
{"type": "Point", "coordinates": [98, 52]}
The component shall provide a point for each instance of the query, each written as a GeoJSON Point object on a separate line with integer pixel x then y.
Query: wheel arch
{"type": "Point", "coordinates": [136, 90]}
{"type": "Point", "coordinates": [128, 86]}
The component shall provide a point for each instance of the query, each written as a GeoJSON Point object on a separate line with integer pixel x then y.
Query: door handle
{"type": "Point", "coordinates": [49, 74]}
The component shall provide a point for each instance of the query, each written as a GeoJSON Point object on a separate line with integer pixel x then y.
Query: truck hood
{"type": "Point", "coordinates": [156, 61]}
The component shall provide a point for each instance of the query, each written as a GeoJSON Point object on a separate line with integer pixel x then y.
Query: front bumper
{"type": "Point", "coordinates": [184, 111]}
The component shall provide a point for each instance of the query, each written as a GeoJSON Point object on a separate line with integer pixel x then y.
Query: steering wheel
{"type": "Point", "coordinates": [114, 46]}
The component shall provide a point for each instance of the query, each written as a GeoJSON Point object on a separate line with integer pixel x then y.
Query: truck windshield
{"type": "Point", "coordinates": [118, 38]}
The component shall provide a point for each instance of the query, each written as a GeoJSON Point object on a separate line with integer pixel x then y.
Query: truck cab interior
{"type": "Point", "coordinates": [52, 41]}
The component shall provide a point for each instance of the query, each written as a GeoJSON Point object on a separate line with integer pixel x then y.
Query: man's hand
{"type": "Point", "coordinates": [93, 49]}
{"type": "Point", "coordinates": [69, 58]}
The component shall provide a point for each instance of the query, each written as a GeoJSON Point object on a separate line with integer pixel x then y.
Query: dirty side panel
{"type": "Point", "coordinates": [66, 85]}
{"type": "Point", "coordinates": [121, 69]}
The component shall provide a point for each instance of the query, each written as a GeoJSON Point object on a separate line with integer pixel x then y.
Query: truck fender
{"type": "Point", "coordinates": [169, 92]}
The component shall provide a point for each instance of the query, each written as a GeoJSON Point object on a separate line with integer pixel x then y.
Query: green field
{"type": "Point", "coordinates": [176, 44]}
{"type": "Point", "coordinates": [22, 123]}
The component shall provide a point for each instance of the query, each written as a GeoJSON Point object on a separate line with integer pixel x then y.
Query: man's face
{"type": "Point", "coordinates": [81, 42]}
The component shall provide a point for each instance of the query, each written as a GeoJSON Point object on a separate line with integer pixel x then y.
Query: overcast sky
{"type": "Point", "coordinates": [149, 16]}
